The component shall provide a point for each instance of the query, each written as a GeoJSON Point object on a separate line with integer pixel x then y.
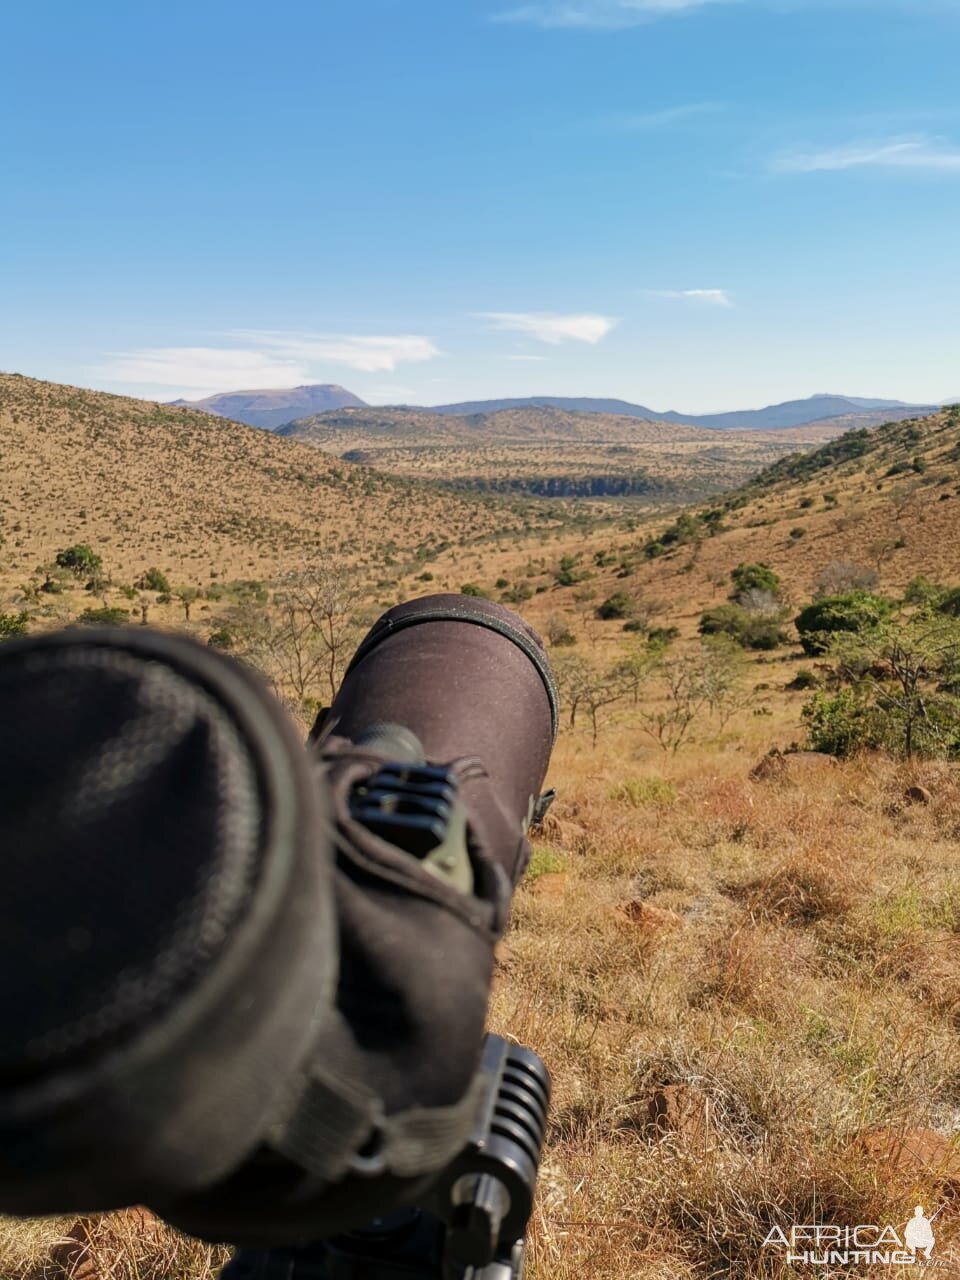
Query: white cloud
{"type": "Point", "coordinates": [710, 297]}
{"type": "Point", "coordinates": [659, 118]}
{"type": "Point", "coordinates": [603, 14]}
{"type": "Point", "coordinates": [200, 371]}
{"type": "Point", "coordinates": [367, 354]}
{"type": "Point", "coordinates": [548, 327]}
{"type": "Point", "coordinates": [912, 153]}
{"type": "Point", "coordinates": [537, 359]}
{"type": "Point", "coordinates": [264, 360]}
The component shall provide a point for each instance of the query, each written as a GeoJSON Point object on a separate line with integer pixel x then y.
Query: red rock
{"type": "Point", "coordinates": [552, 884]}
{"type": "Point", "coordinates": [644, 916]}
{"type": "Point", "coordinates": [682, 1111]}
{"type": "Point", "coordinates": [908, 1155]}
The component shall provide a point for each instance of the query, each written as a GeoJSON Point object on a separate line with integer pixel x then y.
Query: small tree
{"type": "Point", "coordinates": [758, 576]}
{"type": "Point", "coordinates": [685, 697]}
{"type": "Point", "coordinates": [188, 597]}
{"type": "Point", "coordinates": [154, 580]}
{"type": "Point", "coordinates": [897, 685]}
{"type": "Point", "coordinates": [853, 611]}
{"type": "Point", "coordinates": [13, 624]}
{"type": "Point", "coordinates": [303, 642]}
{"type": "Point", "coordinates": [724, 668]}
{"type": "Point", "coordinates": [81, 560]}
{"type": "Point", "coordinates": [841, 577]}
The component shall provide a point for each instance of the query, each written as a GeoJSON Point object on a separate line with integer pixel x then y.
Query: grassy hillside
{"type": "Point", "coordinates": [746, 982]}
{"type": "Point", "coordinates": [204, 499]}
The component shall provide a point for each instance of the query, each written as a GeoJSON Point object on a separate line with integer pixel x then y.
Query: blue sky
{"type": "Point", "coordinates": [694, 204]}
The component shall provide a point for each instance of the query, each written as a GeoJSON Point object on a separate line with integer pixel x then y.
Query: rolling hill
{"type": "Point", "coordinates": [791, 413]}
{"type": "Point", "coordinates": [885, 501]}
{"type": "Point", "coordinates": [204, 498]}
{"type": "Point", "coordinates": [549, 452]}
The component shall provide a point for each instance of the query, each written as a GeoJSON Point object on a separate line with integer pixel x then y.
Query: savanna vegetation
{"type": "Point", "coordinates": [738, 944]}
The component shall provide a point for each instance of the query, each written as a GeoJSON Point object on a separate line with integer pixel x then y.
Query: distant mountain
{"type": "Point", "coordinates": [271, 409]}
{"type": "Point", "coordinates": [572, 404]}
{"type": "Point", "coordinates": [791, 413]}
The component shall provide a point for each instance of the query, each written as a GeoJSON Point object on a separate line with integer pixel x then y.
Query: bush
{"type": "Point", "coordinates": [471, 589]}
{"type": "Point", "coordinates": [843, 576]}
{"type": "Point", "coordinates": [222, 638]}
{"type": "Point", "coordinates": [568, 575]}
{"type": "Point", "coordinates": [754, 577]}
{"type": "Point", "coordinates": [804, 679]}
{"type": "Point", "coordinates": [751, 630]}
{"type": "Point", "coordinates": [517, 594]}
{"type": "Point", "coordinates": [13, 624]}
{"type": "Point", "coordinates": [660, 637]}
{"type": "Point", "coordinates": [853, 611]}
{"type": "Point", "coordinates": [154, 580]}
{"type": "Point", "coordinates": [896, 688]}
{"type": "Point", "coordinates": [837, 723]}
{"type": "Point", "coordinates": [619, 605]}
{"type": "Point", "coordinates": [920, 590]}
{"type": "Point", "coordinates": [948, 602]}
{"type": "Point", "coordinates": [81, 560]}
{"type": "Point", "coordinates": [105, 617]}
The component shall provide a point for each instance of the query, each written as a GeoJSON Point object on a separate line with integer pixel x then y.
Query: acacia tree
{"type": "Point", "coordinates": [302, 642]}
{"type": "Point", "coordinates": [903, 673]}
{"type": "Point", "coordinates": [707, 680]}
{"type": "Point", "coordinates": [583, 686]}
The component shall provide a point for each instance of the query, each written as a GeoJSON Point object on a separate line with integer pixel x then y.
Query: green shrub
{"type": "Point", "coordinates": [619, 605]}
{"type": "Point", "coordinates": [222, 638]}
{"type": "Point", "coordinates": [81, 560]}
{"type": "Point", "coordinates": [105, 617]}
{"type": "Point", "coordinates": [545, 860]}
{"type": "Point", "coordinates": [471, 589]}
{"type": "Point", "coordinates": [660, 637]}
{"type": "Point", "coordinates": [751, 630]}
{"type": "Point", "coordinates": [13, 624]}
{"type": "Point", "coordinates": [755, 577]}
{"type": "Point", "coordinates": [837, 723]}
{"type": "Point", "coordinates": [637, 792]}
{"type": "Point", "coordinates": [154, 580]}
{"type": "Point", "coordinates": [804, 679]}
{"type": "Point", "coordinates": [852, 611]}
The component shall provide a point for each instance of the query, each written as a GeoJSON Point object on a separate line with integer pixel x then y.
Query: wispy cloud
{"type": "Point", "coordinates": [709, 297]}
{"type": "Point", "coordinates": [603, 14]}
{"type": "Point", "coordinates": [367, 354]}
{"type": "Point", "coordinates": [545, 326]}
{"type": "Point", "coordinates": [658, 118]}
{"type": "Point", "coordinates": [917, 153]}
{"type": "Point", "coordinates": [260, 359]}
{"type": "Point", "coordinates": [535, 359]}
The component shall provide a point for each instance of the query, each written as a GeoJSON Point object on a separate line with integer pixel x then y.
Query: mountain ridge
{"type": "Point", "coordinates": [788, 413]}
